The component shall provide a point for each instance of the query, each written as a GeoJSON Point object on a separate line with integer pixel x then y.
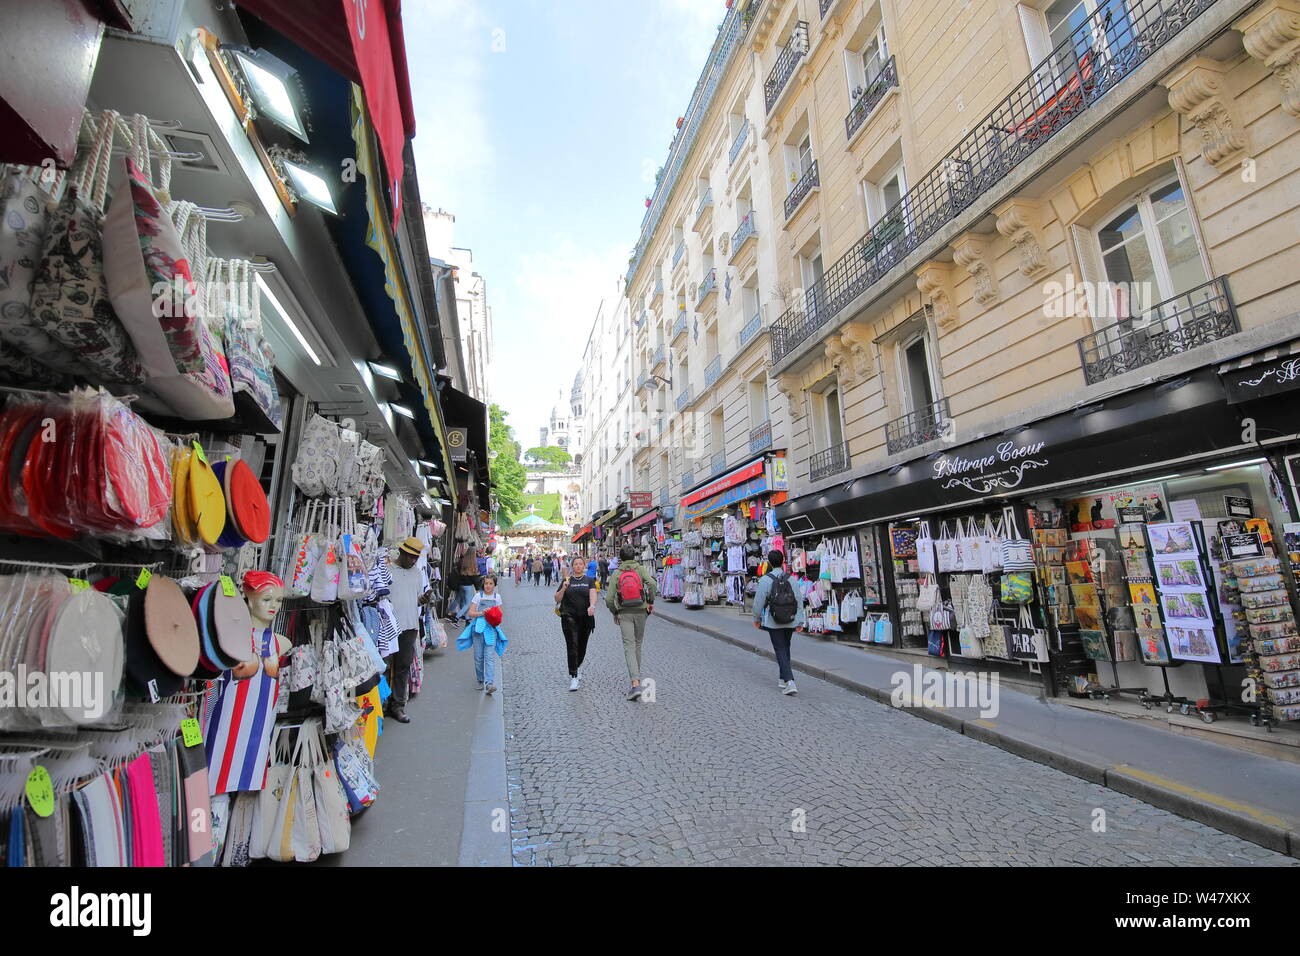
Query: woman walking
{"type": "Point", "coordinates": [576, 599]}
{"type": "Point", "coordinates": [485, 634]}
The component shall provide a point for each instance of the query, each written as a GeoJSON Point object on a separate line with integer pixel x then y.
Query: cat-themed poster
{"type": "Point", "coordinates": [1173, 540]}
{"type": "Point", "coordinates": [1179, 574]}
{"type": "Point", "coordinates": [1193, 644]}
{"type": "Point", "coordinates": [1093, 513]}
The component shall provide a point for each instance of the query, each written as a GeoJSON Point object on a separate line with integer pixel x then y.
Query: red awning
{"type": "Point", "coordinates": [641, 521]}
{"type": "Point", "coordinates": [363, 40]}
{"type": "Point", "coordinates": [582, 534]}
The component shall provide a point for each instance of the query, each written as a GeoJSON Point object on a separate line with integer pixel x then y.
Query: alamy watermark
{"type": "Point", "coordinates": [40, 690]}
{"type": "Point", "coordinates": [921, 688]}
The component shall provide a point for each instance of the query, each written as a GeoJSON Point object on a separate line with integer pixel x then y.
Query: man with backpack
{"type": "Point", "coordinates": [631, 599]}
{"type": "Point", "coordinates": [778, 609]}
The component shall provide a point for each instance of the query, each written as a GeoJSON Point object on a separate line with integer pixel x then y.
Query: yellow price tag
{"type": "Point", "coordinates": [227, 586]}
{"type": "Point", "coordinates": [198, 450]}
{"type": "Point", "coordinates": [40, 792]}
{"type": "Point", "coordinates": [190, 732]}
{"type": "Point", "coordinates": [142, 579]}
{"type": "Point", "coordinates": [78, 584]}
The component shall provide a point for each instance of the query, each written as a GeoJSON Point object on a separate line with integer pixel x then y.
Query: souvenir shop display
{"type": "Point", "coordinates": [1272, 651]}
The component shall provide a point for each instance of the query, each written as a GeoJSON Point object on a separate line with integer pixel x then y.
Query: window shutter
{"type": "Point", "coordinates": [1037, 40]}
{"type": "Point", "coordinates": [1092, 271]}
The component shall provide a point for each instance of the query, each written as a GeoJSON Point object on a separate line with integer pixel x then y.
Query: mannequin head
{"type": "Point", "coordinates": [264, 593]}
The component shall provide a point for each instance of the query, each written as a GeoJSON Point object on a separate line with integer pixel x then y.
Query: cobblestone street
{"type": "Point", "coordinates": [723, 769]}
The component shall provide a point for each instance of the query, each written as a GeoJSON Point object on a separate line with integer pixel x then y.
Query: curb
{"type": "Point", "coordinates": [1240, 823]}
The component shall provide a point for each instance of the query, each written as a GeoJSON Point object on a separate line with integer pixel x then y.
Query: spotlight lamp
{"type": "Point", "coordinates": [273, 87]}
{"type": "Point", "coordinates": [305, 180]}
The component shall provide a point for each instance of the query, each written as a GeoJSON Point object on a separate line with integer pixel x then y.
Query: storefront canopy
{"type": "Point", "coordinates": [1163, 424]}
{"type": "Point", "coordinates": [755, 477]}
{"type": "Point", "coordinates": [463, 411]}
{"type": "Point", "coordinates": [583, 534]}
{"type": "Point", "coordinates": [641, 520]}
{"type": "Point", "coordinates": [1262, 374]}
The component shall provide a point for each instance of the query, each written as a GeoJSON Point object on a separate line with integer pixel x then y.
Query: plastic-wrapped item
{"type": "Point", "coordinates": [20, 423]}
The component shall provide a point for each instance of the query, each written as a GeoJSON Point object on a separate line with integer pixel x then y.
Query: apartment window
{"type": "Point", "coordinates": [882, 195]}
{"type": "Point", "coordinates": [758, 409]}
{"type": "Point", "coordinates": [1152, 240]}
{"type": "Point", "coordinates": [827, 415]}
{"type": "Point", "coordinates": [811, 267]}
{"type": "Point", "coordinates": [1052, 24]}
{"type": "Point", "coordinates": [717, 434]}
{"type": "Point", "coordinates": [916, 373]}
{"type": "Point", "coordinates": [865, 61]}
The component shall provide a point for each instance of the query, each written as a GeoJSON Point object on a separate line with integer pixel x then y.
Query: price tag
{"type": "Point", "coordinates": [154, 696]}
{"type": "Point", "coordinates": [142, 579]}
{"type": "Point", "coordinates": [190, 732]}
{"type": "Point", "coordinates": [78, 584]}
{"type": "Point", "coordinates": [198, 450]}
{"type": "Point", "coordinates": [40, 792]}
{"type": "Point", "coordinates": [227, 586]}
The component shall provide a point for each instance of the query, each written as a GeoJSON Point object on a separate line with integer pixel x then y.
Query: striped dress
{"type": "Point", "coordinates": [237, 737]}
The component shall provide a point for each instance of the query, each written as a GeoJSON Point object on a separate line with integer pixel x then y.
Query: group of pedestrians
{"type": "Point", "coordinates": [630, 593]}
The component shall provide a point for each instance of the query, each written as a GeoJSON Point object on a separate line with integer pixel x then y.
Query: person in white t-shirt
{"type": "Point", "coordinates": [408, 595]}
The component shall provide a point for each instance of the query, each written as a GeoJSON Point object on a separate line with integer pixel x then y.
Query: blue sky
{"type": "Point", "coordinates": [540, 126]}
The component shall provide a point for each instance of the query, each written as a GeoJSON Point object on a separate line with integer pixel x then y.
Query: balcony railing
{"type": "Point", "coordinates": [825, 5]}
{"type": "Point", "coordinates": [785, 65]}
{"type": "Point", "coordinates": [1203, 315]}
{"type": "Point", "coordinates": [713, 371]}
{"type": "Point", "coordinates": [641, 319]}
{"type": "Point", "coordinates": [801, 189]}
{"type": "Point", "coordinates": [738, 143]}
{"type": "Point", "coordinates": [660, 356]}
{"type": "Point", "coordinates": [871, 97]}
{"type": "Point", "coordinates": [743, 232]}
{"type": "Point", "coordinates": [1099, 53]}
{"type": "Point", "coordinates": [705, 202]}
{"type": "Point", "coordinates": [925, 424]}
{"type": "Point", "coordinates": [679, 252]}
{"type": "Point", "coordinates": [663, 497]}
{"type": "Point", "coordinates": [751, 329]}
{"type": "Point", "coordinates": [760, 438]}
{"type": "Point", "coordinates": [718, 463]}
{"type": "Point", "coordinates": [709, 284]}
{"type": "Point", "coordinates": [679, 327]}
{"type": "Point", "coordinates": [659, 290]}
{"type": "Point", "coordinates": [832, 461]}
{"type": "Point", "coordinates": [684, 398]}
{"type": "Point", "coordinates": [642, 380]}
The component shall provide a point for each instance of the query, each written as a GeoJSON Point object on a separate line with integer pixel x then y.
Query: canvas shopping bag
{"type": "Point", "coordinates": [70, 298]}
{"type": "Point", "coordinates": [267, 809]}
{"type": "Point", "coordinates": [331, 802]}
{"type": "Point", "coordinates": [925, 550]}
{"type": "Point", "coordinates": [945, 550]}
{"type": "Point", "coordinates": [992, 554]}
{"type": "Point", "coordinates": [317, 459]}
{"type": "Point", "coordinates": [296, 834]}
{"type": "Point", "coordinates": [325, 580]}
{"type": "Point", "coordinates": [832, 616]}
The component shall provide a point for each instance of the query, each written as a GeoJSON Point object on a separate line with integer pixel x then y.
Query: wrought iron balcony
{"type": "Point", "coordinates": [1100, 52]}
{"type": "Point", "coordinates": [658, 292]}
{"type": "Point", "coordinates": [744, 232]}
{"type": "Point", "coordinates": [706, 203]}
{"type": "Point", "coordinates": [687, 479]}
{"type": "Point", "coordinates": [825, 5]}
{"type": "Point", "coordinates": [679, 252]}
{"type": "Point", "coordinates": [641, 319]}
{"type": "Point", "coordinates": [642, 380]}
{"type": "Point", "coordinates": [832, 461]}
{"type": "Point", "coordinates": [718, 463]}
{"type": "Point", "coordinates": [925, 424]}
{"type": "Point", "coordinates": [684, 398]}
{"type": "Point", "coordinates": [760, 438]}
{"type": "Point", "coordinates": [707, 286]}
{"type": "Point", "coordinates": [801, 189]}
{"type": "Point", "coordinates": [787, 60]}
{"type": "Point", "coordinates": [660, 357]}
{"type": "Point", "coordinates": [871, 97]}
{"type": "Point", "coordinates": [738, 143]}
{"type": "Point", "coordinates": [751, 329]}
{"type": "Point", "coordinates": [713, 371]}
{"type": "Point", "coordinates": [679, 327]}
{"type": "Point", "coordinates": [1203, 315]}
{"type": "Point", "coordinates": [663, 497]}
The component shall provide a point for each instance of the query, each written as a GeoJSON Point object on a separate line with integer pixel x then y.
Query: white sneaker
{"type": "Point", "coordinates": [573, 683]}
{"type": "Point", "coordinates": [780, 685]}
{"type": "Point", "coordinates": [789, 688]}
{"type": "Point", "coordinates": [490, 689]}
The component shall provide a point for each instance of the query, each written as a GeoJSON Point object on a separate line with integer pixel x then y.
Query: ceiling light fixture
{"type": "Point", "coordinates": [275, 89]}
{"type": "Point", "coordinates": [308, 184]}
{"type": "Point", "coordinates": [401, 410]}
{"type": "Point", "coordinates": [284, 317]}
{"type": "Point", "coordinates": [387, 371]}
{"type": "Point", "coordinates": [1236, 464]}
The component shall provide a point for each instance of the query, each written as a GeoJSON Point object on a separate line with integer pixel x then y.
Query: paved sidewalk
{"type": "Point", "coordinates": [1254, 797]}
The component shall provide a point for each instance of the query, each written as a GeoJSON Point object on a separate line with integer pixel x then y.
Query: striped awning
{"type": "Point", "coordinates": [1262, 374]}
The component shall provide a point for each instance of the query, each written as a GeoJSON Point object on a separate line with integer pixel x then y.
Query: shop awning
{"type": "Point", "coordinates": [609, 518]}
{"type": "Point", "coordinates": [1261, 374]}
{"type": "Point", "coordinates": [1154, 426]}
{"type": "Point", "coordinates": [641, 520]}
{"type": "Point", "coordinates": [364, 42]}
{"type": "Point", "coordinates": [755, 477]}
{"type": "Point", "coordinates": [582, 534]}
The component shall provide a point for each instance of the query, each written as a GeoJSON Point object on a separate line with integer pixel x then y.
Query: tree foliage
{"type": "Point", "coordinates": [508, 476]}
{"type": "Point", "coordinates": [550, 457]}
{"type": "Point", "coordinates": [549, 506]}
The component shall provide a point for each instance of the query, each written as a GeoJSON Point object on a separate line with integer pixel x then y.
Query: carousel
{"type": "Point", "coordinates": [533, 532]}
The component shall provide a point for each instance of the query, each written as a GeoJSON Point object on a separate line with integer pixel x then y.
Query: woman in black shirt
{"type": "Point", "coordinates": [576, 600]}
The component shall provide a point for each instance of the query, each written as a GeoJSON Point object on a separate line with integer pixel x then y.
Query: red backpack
{"type": "Point", "coordinates": [631, 589]}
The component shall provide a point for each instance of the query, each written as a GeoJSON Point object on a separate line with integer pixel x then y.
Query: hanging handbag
{"type": "Point", "coordinates": [928, 595]}
{"type": "Point", "coordinates": [352, 573]}
{"type": "Point", "coordinates": [925, 558]}
{"type": "Point", "coordinates": [70, 300]}
{"type": "Point", "coordinates": [317, 459]}
{"type": "Point", "coordinates": [1017, 587]}
{"type": "Point", "coordinates": [991, 555]}
{"type": "Point", "coordinates": [331, 802]}
{"type": "Point", "coordinates": [832, 616]}
{"type": "Point", "coordinates": [305, 554]}
{"type": "Point", "coordinates": [356, 770]}
{"type": "Point", "coordinates": [231, 294]}
{"type": "Point", "coordinates": [945, 550]}
{"type": "Point", "coordinates": [325, 580]}
{"type": "Point", "coordinates": [273, 792]}
{"type": "Point", "coordinates": [1016, 553]}
{"type": "Point", "coordinates": [941, 617]}
{"type": "Point", "coordinates": [970, 644]}
{"type": "Point", "coordinates": [935, 643]}
{"type": "Point", "coordinates": [296, 834]}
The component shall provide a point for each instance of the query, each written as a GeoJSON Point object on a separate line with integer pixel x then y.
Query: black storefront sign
{"type": "Point", "coordinates": [1238, 546]}
{"type": "Point", "coordinates": [1263, 380]}
{"type": "Point", "coordinates": [1127, 433]}
{"type": "Point", "coordinates": [1239, 507]}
